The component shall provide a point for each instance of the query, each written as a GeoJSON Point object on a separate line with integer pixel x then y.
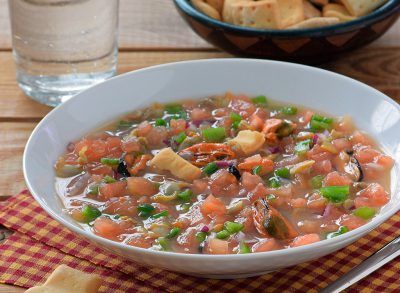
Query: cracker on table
{"type": "Point", "coordinates": [315, 22]}
{"type": "Point", "coordinates": [337, 10]}
{"type": "Point", "coordinates": [65, 279]}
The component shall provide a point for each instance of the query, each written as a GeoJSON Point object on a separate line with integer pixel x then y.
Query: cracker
{"type": "Point", "coordinates": [319, 2]}
{"type": "Point", "coordinates": [65, 279]}
{"type": "Point", "coordinates": [217, 4]}
{"type": "Point", "coordinates": [337, 10]}
{"type": "Point", "coordinates": [227, 9]}
{"type": "Point", "coordinates": [206, 9]}
{"type": "Point", "coordinates": [310, 10]}
{"type": "Point", "coordinates": [315, 22]}
{"type": "Point", "coordinates": [362, 7]}
{"type": "Point", "coordinates": [291, 12]}
{"type": "Point", "coordinates": [260, 14]}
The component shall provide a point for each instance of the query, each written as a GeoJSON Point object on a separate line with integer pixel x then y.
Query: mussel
{"type": "Point", "coordinates": [269, 222]}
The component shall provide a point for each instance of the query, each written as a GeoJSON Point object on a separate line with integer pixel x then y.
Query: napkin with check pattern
{"type": "Point", "coordinates": [39, 244]}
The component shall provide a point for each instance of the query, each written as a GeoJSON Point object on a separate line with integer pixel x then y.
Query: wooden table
{"type": "Point", "coordinates": [153, 34]}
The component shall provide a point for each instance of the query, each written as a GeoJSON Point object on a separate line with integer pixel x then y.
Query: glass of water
{"type": "Point", "coordinates": [62, 47]}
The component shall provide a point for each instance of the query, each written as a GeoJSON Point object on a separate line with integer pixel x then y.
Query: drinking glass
{"type": "Point", "coordinates": [62, 47]}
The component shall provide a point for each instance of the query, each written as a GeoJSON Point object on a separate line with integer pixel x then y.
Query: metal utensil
{"type": "Point", "coordinates": [387, 253]}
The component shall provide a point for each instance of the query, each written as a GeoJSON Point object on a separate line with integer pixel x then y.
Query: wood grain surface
{"type": "Point", "coordinates": [151, 32]}
{"type": "Point", "coordinates": [155, 24]}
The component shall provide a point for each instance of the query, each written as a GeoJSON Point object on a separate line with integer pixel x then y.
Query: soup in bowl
{"type": "Point", "coordinates": [229, 174]}
{"type": "Point", "coordinates": [298, 183]}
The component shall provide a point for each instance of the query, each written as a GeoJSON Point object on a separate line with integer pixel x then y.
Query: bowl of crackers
{"type": "Point", "coordinates": [306, 31]}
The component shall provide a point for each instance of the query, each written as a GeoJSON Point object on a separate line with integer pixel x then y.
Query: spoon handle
{"type": "Point", "coordinates": [387, 253]}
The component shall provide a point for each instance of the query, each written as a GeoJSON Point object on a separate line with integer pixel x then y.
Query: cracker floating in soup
{"type": "Point", "coordinates": [228, 174]}
{"type": "Point", "coordinates": [286, 14]}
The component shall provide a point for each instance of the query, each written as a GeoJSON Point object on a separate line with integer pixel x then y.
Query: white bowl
{"type": "Point", "coordinates": [323, 90]}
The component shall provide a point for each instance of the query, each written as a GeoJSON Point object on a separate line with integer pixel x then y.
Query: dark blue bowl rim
{"type": "Point", "coordinates": [390, 7]}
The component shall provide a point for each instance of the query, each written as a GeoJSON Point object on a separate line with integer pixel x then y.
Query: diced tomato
{"type": "Point", "coordinates": [114, 189]}
{"type": "Point", "coordinates": [250, 181]}
{"type": "Point", "coordinates": [352, 222]}
{"type": "Point", "coordinates": [317, 203]}
{"type": "Point", "coordinates": [322, 167]}
{"type": "Point", "coordinates": [131, 144]}
{"type": "Point", "coordinates": [256, 122]}
{"type": "Point", "coordinates": [196, 216]}
{"type": "Point", "coordinates": [200, 186]}
{"type": "Point", "coordinates": [309, 226]}
{"type": "Point", "coordinates": [319, 154]}
{"type": "Point", "coordinates": [217, 246]}
{"type": "Point", "coordinates": [245, 217]}
{"type": "Point", "coordinates": [124, 206]}
{"type": "Point", "coordinates": [385, 161]}
{"type": "Point", "coordinates": [336, 179]}
{"type": "Point", "coordinates": [266, 244]}
{"type": "Point", "coordinates": [341, 144]}
{"type": "Point", "coordinates": [213, 206]}
{"type": "Point", "coordinates": [224, 183]}
{"type": "Point", "coordinates": [365, 154]}
{"type": "Point", "coordinates": [244, 108]}
{"type": "Point", "coordinates": [144, 128]}
{"type": "Point", "coordinates": [140, 240]}
{"type": "Point", "coordinates": [177, 126]}
{"type": "Point", "coordinates": [100, 169]}
{"type": "Point", "coordinates": [187, 241]}
{"type": "Point", "coordinates": [141, 186]}
{"type": "Point", "coordinates": [305, 239]}
{"type": "Point", "coordinates": [259, 191]}
{"type": "Point", "coordinates": [198, 114]}
{"type": "Point", "coordinates": [307, 117]}
{"type": "Point", "coordinates": [157, 136]}
{"type": "Point", "coordinates": [373, 196]}
{"type": "Point", "coordinates": [249, 163]}
{"type": "Point", "coordinates": [298, 202]}
{"type": "Point", "coordinates": [107, 228]}
{"type": "Point", "coordinates": [360, 138]}
{"type": "Point", "coordinates": [96, 150]}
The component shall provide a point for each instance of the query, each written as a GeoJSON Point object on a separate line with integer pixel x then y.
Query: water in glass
{"type": "Point", "coordinates": [63, 46]}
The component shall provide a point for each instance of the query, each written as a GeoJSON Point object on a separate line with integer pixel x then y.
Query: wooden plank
{"type": "Point", "coordinates": [156, 24]}
{"type": "Point", "coordinates": [379, 68]}
{"type": "Point", "coordinates": [11, 289]}
{"type": "Point", "coordinates": [142, 24]}
{"type": "Point", "coordinates": [12, 143]}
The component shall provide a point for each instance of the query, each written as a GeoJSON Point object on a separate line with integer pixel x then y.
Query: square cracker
{"type": "Point", "coordinates": [65, 279]}
{"type": "Point", "coordinates": [260, 14]}
{"type": "Point", "coordinates": [362, 7]}
{"type": "Point", "coordinates": [337, 10]}
{"type": "Point", "coordinates": [217, 4]}
{"type": "Point", "coordinates": [315, 22]}
{"type": "Point", "coordinates": [227, 9]}
{"type": "Point", "coordinates": [310, 10]}
{"type": "Point", "coordinates": [291, 11]}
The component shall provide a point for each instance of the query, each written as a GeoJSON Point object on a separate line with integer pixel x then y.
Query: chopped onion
{"type": "Point", "coordinates": [274, 150]}
{"type": "Point", "coordinates": [240, 236]}
{"type": "Point", "coordinates": [224, 164]}
{"type": "Point", "coordinates": [205, 229]}
{"type": "Point", "coordinates": [315, 139]}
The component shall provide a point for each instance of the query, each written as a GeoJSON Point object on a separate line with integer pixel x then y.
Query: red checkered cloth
{"type": "Point", "coordinates": [40, 244]}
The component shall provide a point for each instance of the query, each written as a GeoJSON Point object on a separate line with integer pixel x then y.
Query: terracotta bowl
{"type": "Point", "coordinates": [302, 45]}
